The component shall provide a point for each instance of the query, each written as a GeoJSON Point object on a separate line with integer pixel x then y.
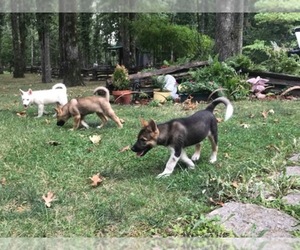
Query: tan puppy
{"type": "Point", "coordinates": [80, 107]}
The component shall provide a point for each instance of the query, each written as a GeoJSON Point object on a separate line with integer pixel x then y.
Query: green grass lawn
{"type": "Point", "coordinates": [131, 202]}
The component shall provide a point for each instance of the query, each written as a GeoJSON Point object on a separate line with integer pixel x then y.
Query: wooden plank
{"type": "Point", "coordinates": [168, 70]}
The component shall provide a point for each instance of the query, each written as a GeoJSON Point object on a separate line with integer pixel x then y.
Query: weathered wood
{"type": "Point", "coordinates": [168, 70]}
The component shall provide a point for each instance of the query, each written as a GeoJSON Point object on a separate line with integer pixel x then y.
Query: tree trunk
{"type": "Point", "coordinates": [18, 45]}
{"type": "Point", "coordinates": [229, 31]}
{"type": "Point", "coordinates": [85, 38]}
{"type": "Point", "coordinates": [125, 38]}
{"type": "Point", "coordinates": [70, 65]}
{"type": "Point", "coordinates": [1, 31]}
{"type": "Point", "coordinates": [43, 20]}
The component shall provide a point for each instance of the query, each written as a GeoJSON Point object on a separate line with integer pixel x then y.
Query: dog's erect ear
{"type": "Point", "coordinates": [152, 125]}
{"type": "Point", "coordinates": [144, 123]}
{"type": "Point", "coordinates": [30, 91]}
{"type": "Point", "coordinates": [21, 91]}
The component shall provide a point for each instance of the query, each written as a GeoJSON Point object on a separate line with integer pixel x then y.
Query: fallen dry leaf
{"type": "Point", "coordinates": [21, 114]}
{"type": "Point", "coordinates": [235, 184]}
{"type": "Point", "coordinates": [49, 198]}
{"type": "Point", "coordinates": [219, 203]}
{"type": "Point", "coordinates": [188, 104]}
{"type": "Point", "coordinates": [273, 147]}
{"type": "Point", "coordinates": [219, 120]}
{"type": "Point", "coordinates": [3, 181]}
{"type": "Point", "coordinates": [95, 139]}
{"type": "Point", "coordinates": [96, 179]}
{"type": "Point", "coordinates": [226, 155]}
{"type": "Point", "coordinates": [124, 149]}
{"type": "Point", "coordinates": [244, 125]}
{"type": "Point", "coordinates": [264, 114]}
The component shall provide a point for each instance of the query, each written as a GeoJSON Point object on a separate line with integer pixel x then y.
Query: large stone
{"type": "Point", "coordinates": [249, 220]}
{"type": "Point", "coordinates": [292, 198]}
{"type": "Point", "coordinates": [293, 171]}
{"type": "Point", "coordinates": [295, 158]}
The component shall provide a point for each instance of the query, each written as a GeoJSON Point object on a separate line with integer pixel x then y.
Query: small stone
{"type": "Point", "coordinates": [295, 158]}
{"type": "Point", "coordinates": [293, 171]}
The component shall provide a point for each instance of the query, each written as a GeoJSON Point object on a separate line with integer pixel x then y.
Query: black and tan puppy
{"type": "Point", "coordinates": [182, 132]}
{"type": "Point", "coordinates": [78, 108]}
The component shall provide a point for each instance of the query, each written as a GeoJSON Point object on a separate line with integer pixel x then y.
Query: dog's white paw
{"type": "Point", "coordinates": [163, 175]}
{"type": "Point", "coordinates": [195, 157]}
{"type": "Point", "coordinates": [191, 167]}
{"type": "Point", "coordinates": [213, 159]}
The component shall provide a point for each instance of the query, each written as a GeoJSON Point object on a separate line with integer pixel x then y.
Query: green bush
{"type": "Point", "coordinates": [219, 74]}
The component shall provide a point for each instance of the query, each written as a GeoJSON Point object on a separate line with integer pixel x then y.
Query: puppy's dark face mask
{"type": "Point", "coordinates": [60, 123]}
{"type": "Point", "coordinates": [147, 139]}
{"type": "Point", "coordinates": [142, 146]}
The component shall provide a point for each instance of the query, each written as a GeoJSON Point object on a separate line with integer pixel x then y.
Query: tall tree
{"type": "Point", "coordinates": [1, 30]}
{"type": "Point", "coordinates": [229, 29]}
{"type": "Point", "coordinates": [70, 67]}
{"type": "Point", "coordinates": [19, 38]}
{"type": "Point", "coordinates": [85, 28]}
{"type": "Point", "coordinates": [43, 26]}
{"type": "Point", "coordinates": [125, 38]}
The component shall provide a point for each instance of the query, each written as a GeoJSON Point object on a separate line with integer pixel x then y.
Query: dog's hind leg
{"type": "Point", "coordinates": [196, 155]}
{"type": "Point", "coordinates": [214, 148]}
{"type": "Point", "coordinates": [103, 118]}
{"type": "Point", "coordinates": [187, 160]}
{"type": "Point", "coordinates": [84, 124]}
{"type": "Point", "coordinates": [170, 165]}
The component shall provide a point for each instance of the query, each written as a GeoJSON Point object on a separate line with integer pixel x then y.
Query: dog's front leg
{"type": "Point", "coordinates": [77, 121]}
{"type": "Point", "coordinates": [170, 164]}
{"type": "Point", "coordinates": [40, 110]}
{"type": "Point", "coordinates": [187, 160]}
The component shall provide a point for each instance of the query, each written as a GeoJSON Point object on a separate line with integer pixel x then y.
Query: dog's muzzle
{"type": "Point", "coordinates": [139, 151]}
{"type": "Point", "coordinates": [60, 123]}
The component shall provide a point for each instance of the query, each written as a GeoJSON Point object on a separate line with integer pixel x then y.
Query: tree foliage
{"type": "Point", "coordinates": [155, 33]}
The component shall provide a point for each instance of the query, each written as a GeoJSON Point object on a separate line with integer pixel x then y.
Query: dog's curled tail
{"type": "Point", "coordinates": [98, 90]}
{"type": "Point", "coordinates": [226, 102]}
{"type": "Point", "coordinates": [59, 86]}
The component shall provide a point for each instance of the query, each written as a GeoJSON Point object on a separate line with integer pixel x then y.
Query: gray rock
{"type": "Point", "coordinates": [249, 220]}
{"type": "Point", "coordinates": [295, 158]}
{"type": "Point", "coordinates": [292, 198]}
{"type": "Point", "coordinates": [293, 171]}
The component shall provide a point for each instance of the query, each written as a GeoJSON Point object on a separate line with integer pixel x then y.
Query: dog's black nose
{"type": "Point", "coordinates": [60, 123]}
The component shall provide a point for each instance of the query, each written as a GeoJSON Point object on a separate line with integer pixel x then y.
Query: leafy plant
{"type": "Point", "coordinates": [189, 87]}
{"type": "Point", "coordinates": [120, 78]}
{"type": "Point", "coordinates": [240, 62]}
{"type": "Point", "coordinates": [272, 58]}
{"type": "Point", "coordinates": [218, 75]}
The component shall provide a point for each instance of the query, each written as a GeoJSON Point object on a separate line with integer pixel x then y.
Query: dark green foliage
{"type": "Point", "coordinates": [271, 58]}
{"type": "Point", "coordinates": [220, 75]}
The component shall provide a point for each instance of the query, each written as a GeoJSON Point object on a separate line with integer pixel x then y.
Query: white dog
{"type": "Point", "coordinates": [58, 94]}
